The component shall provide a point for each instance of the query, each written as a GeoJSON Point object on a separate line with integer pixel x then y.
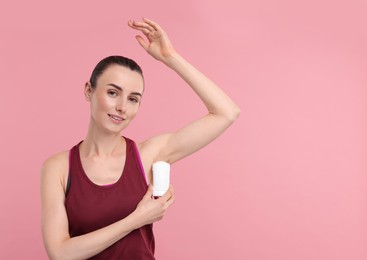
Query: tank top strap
{"type": "Point", "coordinates": [134, 156]}
{"type": "Point", "coordinates": [138, 161]}
{"type": "Point", "coordinates": [72, 162]}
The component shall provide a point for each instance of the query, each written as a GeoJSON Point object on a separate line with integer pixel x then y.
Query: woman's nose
{"type": "Point", "coordinates": [121, 106]}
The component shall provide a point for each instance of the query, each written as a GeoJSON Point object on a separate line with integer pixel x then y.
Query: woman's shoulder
{"type": "Point", "coordinates": [56, 164]}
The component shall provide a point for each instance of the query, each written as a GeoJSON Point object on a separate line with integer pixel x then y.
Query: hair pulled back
{"type": "Point", "coordinates": [113, 60]}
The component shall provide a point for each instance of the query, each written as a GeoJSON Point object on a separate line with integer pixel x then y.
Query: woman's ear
{"type": "Point", "coordinates": [87, 91]}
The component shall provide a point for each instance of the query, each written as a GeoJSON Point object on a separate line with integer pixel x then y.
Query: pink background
{"type": "Point", "coordinates": [287, 181]}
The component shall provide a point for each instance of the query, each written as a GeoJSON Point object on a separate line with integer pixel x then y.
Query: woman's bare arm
{"type": "Point", "coordinates": [222, 111]}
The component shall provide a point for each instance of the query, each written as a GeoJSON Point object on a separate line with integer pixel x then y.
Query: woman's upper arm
{"type": "Point", "coordinates": [54, 217]}
{"type": "Point", "coordinates": [174, 146]}
{"type": "Point", "coordinates": [194, 136]}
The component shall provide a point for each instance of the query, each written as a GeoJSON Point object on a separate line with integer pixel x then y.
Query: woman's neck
{"type": "Point", "coordinates": [102, 144]}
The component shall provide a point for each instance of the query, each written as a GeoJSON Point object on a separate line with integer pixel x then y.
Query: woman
{"type": "Point", "coordinates": [96, 202]}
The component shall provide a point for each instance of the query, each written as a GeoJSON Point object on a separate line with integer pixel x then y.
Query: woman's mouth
{"type": "Point", "coordinates": [116, 119]}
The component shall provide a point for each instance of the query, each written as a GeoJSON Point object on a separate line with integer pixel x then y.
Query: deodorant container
{"type": "Point", "coordinates": [161, 172]}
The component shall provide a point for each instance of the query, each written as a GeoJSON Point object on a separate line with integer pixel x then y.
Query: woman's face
{"type": "Point", "coordinates": [116, 98]}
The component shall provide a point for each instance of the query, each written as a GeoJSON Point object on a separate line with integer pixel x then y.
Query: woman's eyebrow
{"type": "Point", "coordinates": [115, 86]}
{"type": "Point", "coordinates": [120, 88]}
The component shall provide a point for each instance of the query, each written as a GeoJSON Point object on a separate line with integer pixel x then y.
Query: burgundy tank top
{"type": "Point", "coordinates": [90, 206]}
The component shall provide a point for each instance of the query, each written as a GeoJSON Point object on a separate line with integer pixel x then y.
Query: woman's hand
{"type": "Point", "coordinates": [150, 210]}
{"type": "Point", "coordinates": [158, 46]}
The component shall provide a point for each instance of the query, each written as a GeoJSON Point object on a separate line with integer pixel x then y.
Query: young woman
{"type": "Point", "coordinates": [96, 201]}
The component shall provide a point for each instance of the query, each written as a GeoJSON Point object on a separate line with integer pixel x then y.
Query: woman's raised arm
{"type": "Point", "coordinates": [222, 111]}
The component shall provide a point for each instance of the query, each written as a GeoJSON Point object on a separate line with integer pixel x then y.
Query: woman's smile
{"type": "Point", "coordinates": [116, 119]}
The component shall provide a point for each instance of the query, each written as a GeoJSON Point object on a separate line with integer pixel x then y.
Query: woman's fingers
{"type": "Point", "coordinates": [169, 193]}
{"type": "Point", "coordinates": [149, 192]}
{"type": "Point", "coordinates": [168, 198]}
{"type": "Point", "coordinates": [169, 202]}
{"type": "Point", "coordinates": [152, 24]}
{"type": "Point", "coordinates": [141, 26]}
{"type": "Point", "coordinates": [142, 42]}
{"type": "Point", "coordinates": [156, 43]}
{"type": "Point", "coordinates": [153, 210]}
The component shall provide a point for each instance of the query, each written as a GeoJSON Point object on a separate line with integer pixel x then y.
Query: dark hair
{"type": "Point", "coordinates": [113, 60]}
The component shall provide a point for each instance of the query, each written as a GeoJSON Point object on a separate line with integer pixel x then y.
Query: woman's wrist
{"type": "Point", "coordinates": [136, 219]}
{"type": "Point", "coordinates": [173, 59]}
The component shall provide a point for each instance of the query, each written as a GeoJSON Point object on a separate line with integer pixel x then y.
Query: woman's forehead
{"type": "Point", "coordinates": [123, 77]}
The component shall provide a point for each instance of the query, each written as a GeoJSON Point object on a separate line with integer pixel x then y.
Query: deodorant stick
{"type": "Point", "coordinates": [161, 172]}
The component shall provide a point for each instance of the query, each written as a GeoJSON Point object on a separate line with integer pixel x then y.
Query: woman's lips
{"type": "Point", "coordinates": [116, 119]}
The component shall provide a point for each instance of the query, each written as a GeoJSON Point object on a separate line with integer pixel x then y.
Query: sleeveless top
{"type": "Point", "coordinates": [90, 206]}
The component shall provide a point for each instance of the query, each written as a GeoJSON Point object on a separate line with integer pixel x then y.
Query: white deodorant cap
{"type": "Point", "coordinates": [161, 178]}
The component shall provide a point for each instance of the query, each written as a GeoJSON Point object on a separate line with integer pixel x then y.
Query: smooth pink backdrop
{"type": "Point", "coordinates": [287, 181]}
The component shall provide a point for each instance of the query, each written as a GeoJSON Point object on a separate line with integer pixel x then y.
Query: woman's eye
{"type": "Point", "coordinates": [135, 100]}
{"type": "Point", "coordinates": [112, 93]}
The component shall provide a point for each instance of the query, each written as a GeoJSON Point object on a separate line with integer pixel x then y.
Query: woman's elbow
{"type": "Point", "coordinates": [54, 253]}
{"type": "Point", "coordinates": [233, 114]}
